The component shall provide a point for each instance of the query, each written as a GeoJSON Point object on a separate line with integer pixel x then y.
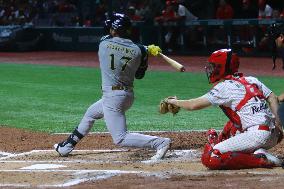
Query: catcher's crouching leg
{"type": "Point", "coordinates": [232, 160]}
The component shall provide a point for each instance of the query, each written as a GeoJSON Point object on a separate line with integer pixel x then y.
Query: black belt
{"type": "Point", "coordinates": [121, 88]}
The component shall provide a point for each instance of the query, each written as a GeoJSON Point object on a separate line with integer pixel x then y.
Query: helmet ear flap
{"type": "Point", "coordinates": [232, 63]}
{"type": "Point", "coordinates": [228, 62]}
{"type": "Point", "coordinates": [107, 25]}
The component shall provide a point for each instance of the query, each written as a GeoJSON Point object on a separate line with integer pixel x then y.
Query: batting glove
{"type": "Point", "coordinates": [154, 50]}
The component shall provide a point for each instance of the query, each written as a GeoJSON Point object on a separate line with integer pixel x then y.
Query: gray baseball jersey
{"type": "Point", "coordinates": [120, 61]}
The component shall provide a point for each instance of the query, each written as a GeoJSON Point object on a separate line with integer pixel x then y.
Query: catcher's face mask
{"type": "Point", "coordinates": [216, 68]}
{"type": "Point", "coordinates": [221, 63]}
{"type": "Point", "coordinates": [210, 69]}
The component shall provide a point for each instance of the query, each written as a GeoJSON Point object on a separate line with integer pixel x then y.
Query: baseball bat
{"type": "Point", "coordinates": [173, 63]}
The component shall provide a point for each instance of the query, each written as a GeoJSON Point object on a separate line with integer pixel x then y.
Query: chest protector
{"type": "Point", "coordinates": [252, 91]}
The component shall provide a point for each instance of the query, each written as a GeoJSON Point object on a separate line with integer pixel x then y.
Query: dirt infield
{"type": "Point", "coordinates": [27, 159]}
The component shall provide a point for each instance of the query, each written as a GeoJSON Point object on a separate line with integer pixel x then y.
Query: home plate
{"type": "Point", "coordinates": [43, 166]}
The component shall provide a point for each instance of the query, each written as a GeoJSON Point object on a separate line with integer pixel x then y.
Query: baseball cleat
{"type": "Point", "coordinates": [63, 148]}
{"type": "Point", "coordinates": [270, 158]}
{"type": "Point", "coordinates": [274, 160]}
{"type": "Point", "coordinates": [162, 151]}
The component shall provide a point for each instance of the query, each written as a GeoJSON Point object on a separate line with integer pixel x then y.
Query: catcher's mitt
{"type": "Point", "coordinates": [165, 107]}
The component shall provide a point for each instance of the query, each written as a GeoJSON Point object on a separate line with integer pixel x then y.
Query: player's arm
{"type": "Point", "coordinates": [191, 104]}
{"type": "Point", "coordinates": [271, 98]}
{"type": "Point", "coordinates": [281, 98]}
{"type": "Point", "coordinates": [273, 103]}
{"type": "Point", "coordinates": [140, 73]}
{"type": "Point", "coordinates": [216, 96]}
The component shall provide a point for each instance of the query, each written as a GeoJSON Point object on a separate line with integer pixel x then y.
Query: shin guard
{"type": "Point", "coordinates": [75, 137]}
{"type": "Point", "coordinates": [233, 160]}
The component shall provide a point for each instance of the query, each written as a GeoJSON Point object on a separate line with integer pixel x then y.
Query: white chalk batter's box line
{"type": "Point", "coordinates": [94, 175]}
{"type": "Point", "coordinates": [11, 155]}
{"type": "Point", "coordinates": [193, 173]}
{"type": "Point", "coordinates": [180, 131]}
{"type": "Point", "coordinates": [81, 175]}
{"type": "Point", "coordinates": [105, 174]}
{"type": "Point", "coordinates": [101, 174]}
{"type": "Point", "coordinates": [172, 155]}
{"type": "Point", "coordinates": [175, 152]}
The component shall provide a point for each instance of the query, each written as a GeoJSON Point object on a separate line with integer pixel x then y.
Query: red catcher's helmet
{"type": "Point", "coordinates": [222, 62]}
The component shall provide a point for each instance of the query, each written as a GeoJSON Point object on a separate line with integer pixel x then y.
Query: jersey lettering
{"type": "Point", "coordinates": [124, 59]}
{"type": "Point", "coordinates": [121, 49]}
{"type": "Point", "coordinates": [256, 109]}
{"type": "Point", "coordinates": [112, 62]}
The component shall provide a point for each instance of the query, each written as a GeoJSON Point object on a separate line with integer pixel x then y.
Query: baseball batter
{"type": "Point", "coordinates": [120, 61]}
{"type": "Point", "coordinates": [251, 108]}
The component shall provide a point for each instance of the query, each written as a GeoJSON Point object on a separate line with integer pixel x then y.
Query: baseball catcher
{"type": "Point", "coordinates": [251, 107]}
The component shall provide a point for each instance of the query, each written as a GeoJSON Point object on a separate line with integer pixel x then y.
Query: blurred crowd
{"type": "Point", "coordinates": [89, 13]}
{"type": "Point", "coordinates": [170, 15]}
{"type": "Point", "coordinates": [17, 12]}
